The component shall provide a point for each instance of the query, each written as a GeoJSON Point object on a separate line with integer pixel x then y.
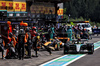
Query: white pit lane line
{"type": "Point", "coordinates": [70, 61]}
{"type": "Point", "coordinates": [74, 60]}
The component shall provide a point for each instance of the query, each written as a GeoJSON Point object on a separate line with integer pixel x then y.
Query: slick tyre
{"type": "Point", "coordinates": [66, 48]}
{"type": "Point", "coordinates": [65, 51]}
{"type": "Point", "coordinates": [91, 51]}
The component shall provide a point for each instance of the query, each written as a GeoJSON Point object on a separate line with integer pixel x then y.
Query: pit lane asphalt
{"type": "Point", "coordinates": [89, 60]}
{"type": "Point", "coordinates": [93, 60]}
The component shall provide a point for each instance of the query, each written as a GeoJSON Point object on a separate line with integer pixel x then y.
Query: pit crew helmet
{"type": "Point", "coordinates": [27, 29]}
{"type": "Point", "coordinates": [21, 31]}
{"type": "Point", "coordinates": [33, 27]}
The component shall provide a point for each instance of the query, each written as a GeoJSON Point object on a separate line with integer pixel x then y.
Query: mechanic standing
{"type": "Point", "coordinates": [69, 32]}
{"type": "Point", "coordinates": [21, 41]}
{"type": "Point", "coordinates": [52, 32]}
{"type": "Point", "coordinates": [2, 46]}
{"type": "Point", "coordinates": [28, 44]}
{"type": "Point", "coordinates": [34, 39]}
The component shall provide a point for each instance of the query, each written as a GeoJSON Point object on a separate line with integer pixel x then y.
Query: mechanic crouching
{"type": "Point", "coordinates": [85, 34]}
{"type": "Point", "coordinates": [35, 41]}
{"type": "Point", "coordinates": [11, 47]}
{"type": "Point", "coordinates": [2, 46]}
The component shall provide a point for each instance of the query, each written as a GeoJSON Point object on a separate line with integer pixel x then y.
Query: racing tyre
{"type": "Point", "coordinates": [66, 49]}
{"type": "Point", "coordinates": [91, 51]}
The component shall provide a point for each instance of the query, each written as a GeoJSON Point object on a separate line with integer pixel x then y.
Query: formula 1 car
{"type": "Point", "coordinates": [53, 44]}
{"type": "Point", "coordinates": [78, 46]}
